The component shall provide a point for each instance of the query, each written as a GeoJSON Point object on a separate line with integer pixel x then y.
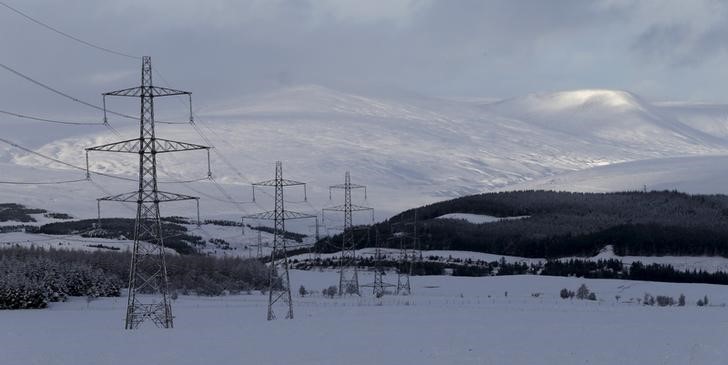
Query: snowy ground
{"type": "Point", "coordinates": [447, 320]}
{"type": "Point", "coordinates": [68, 242]}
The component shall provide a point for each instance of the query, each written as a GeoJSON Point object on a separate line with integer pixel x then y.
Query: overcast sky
{"type": "Point", "coordinates": [661, 50]}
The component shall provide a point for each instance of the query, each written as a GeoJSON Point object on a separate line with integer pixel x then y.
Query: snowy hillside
{"type": "Point", "coordinates": [695, 174]}
{"type": "Point", "coordinates": [409, 149]}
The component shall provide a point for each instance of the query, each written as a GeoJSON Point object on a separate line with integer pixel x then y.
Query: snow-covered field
{"type": "Point", "coordinates": [68, 242]}
{"type": "Point", "coordinates": [447, 320]}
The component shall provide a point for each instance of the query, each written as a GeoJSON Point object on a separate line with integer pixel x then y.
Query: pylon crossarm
{"type": "Point", "coordinates": [283, 182]}
{"type": "Point", "coordinates": [343, 186]}
{"type": "Point", "coordinates": [135, 145]}
{"type": "Point", "coordinates": [133, 197]}
{"type": "Point", "coordinates": [128, 146]}
{"type": "Point", "coordinates": [271, 215]}
{"type": "Point", "coordinates": [165, 91]}
{"type": "Point", "coordinates": [139, 91]}
{"type": "Point", "coordinates": [342, 208]}
{"type": "Point", "coordinates": [164, 196]}
{"type": "Point", "coordinates": [124, 197]}
{"type": "Point", "coordinates": [166, 145]}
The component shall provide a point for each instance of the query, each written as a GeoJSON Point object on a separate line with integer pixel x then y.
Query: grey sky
{"type": "Point", "coordinates": [662, 50]}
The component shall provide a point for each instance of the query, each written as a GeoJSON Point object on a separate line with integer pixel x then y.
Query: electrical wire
{"type": "Point", "coordinates": [23, 116]}
{"type": "Point", "coordinates": [106, 124]}
{"type": "Point", "coordinates": [13, 144]}
{"type": "Point", "coordinates": [42, 182]}
{"type": "Point", "coordinates": [56, 30]}
{"type": "Point", "coordinates": [207, 141]}
{"type": "Point", "coordinates": [61, 93]}
{"type": "Point", "coordinates": [61, 162]}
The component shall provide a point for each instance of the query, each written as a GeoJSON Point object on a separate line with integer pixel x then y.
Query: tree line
{"type": "Point", "coordinates": [563, 224]}
{"type": "Point", "coordinates": [33, 277]}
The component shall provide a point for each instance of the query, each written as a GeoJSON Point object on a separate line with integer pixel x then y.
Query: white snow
{"type": "Point", "coordinates": [696, 174]}
{"type": "Point", "coordinates": [447, 320]}
{"type": "Point", "coordinates": [66, 242]}
{"type": "Point", "coordinates": [436, 148]}
{"type": "Point", "coordinates": [477, 218]}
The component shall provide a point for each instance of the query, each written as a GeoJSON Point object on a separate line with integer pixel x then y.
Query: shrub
{"type": "Point", "coordinates": [583, 292]}
{"type": "Point", "coordinates": [664, 301]}
{"type": "Point", "coordinates": [330, 291]}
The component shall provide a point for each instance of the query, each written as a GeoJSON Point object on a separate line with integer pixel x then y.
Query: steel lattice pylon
{"type": "Point", "coordinates": [259, 245]}
{"type": "Point", "coordinates": [279, 290]}
{"type": "Point", "coordinates": [407, 254]}
{"type": "Point", "coordinates": [148, 271]}
{"type": "Point", "coordinates": [378, 285]}
{"type": "Point", "coordinates": [348, 272]}
{"type": "Point", "coordinates": [404, 271]}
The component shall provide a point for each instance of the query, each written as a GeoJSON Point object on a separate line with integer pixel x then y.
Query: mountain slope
{"type": "Point", "coordinates": [409, 149]}
{"type": "Point", "coordinates": [694, 174]}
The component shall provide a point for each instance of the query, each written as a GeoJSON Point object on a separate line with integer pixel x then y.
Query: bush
{"type": "Point", "coordinates": [583, 292]}
{"type": "Point", "coordinates": [592, 296]}
{"type": "Point", "coordinates": [681, 300]}
{"type": "Point", "coordinates": [330, 291]}
{"type": "Point", "coordinates": [566, 293]}
{"type": "Point", "coordinates": [664, 301]}
{"type": "Point", "coordinates": [648, 299]}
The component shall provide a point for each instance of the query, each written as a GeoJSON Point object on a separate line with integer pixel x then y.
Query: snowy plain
{"type": "Point", "coordinates": [447, 320]}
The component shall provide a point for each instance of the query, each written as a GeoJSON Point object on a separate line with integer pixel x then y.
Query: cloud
{"type": "Point", "coordinates": [220, 49]}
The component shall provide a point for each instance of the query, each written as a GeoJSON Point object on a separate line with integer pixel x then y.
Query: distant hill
{"type": "Point", "coordinates": [409, 149]}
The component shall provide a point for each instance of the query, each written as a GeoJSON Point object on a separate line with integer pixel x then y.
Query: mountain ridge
{"type": "Point", "coordinates": [412, 149]}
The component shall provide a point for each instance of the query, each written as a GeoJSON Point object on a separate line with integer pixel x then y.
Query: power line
{"type": "Point", "coordinates": [23, 116]}
{"type": "Point", "coordinates": [207, 140]}
{"type": "Point", "coordinates": [41, 182]}
{"type": "Point", "coordinates": [13, 144]}
{"type": "Point", "coordinates": [61, 93]}
{"type": "Point", "coordinates": [56, 30]}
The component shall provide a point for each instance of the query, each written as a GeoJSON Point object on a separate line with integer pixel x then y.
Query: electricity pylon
{"type": "Point", "coordinates": [406, 259]}
{"type": "Point", "coordinates": [404, 271]}
{"type": "Point", "coordinates": [279, 257]}
{"type": "Point", "coordinates": [258, 245]}
{"type": "Point", "coordinates": [259, 254]}
{"type": "Point", "coordinates": [348, 273]}
{"type": "Point", "coordinates": [378, 285]}
{"type": "Point", "coordinates": [148, 271]}
{"type": "Point", "coordinates": [313, 253]}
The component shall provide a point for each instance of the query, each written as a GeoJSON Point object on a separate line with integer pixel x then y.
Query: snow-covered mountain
{"type": "Point", "coordinates": [693, 174]}
{"type": "Point", "coordinates": [409, 149]}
